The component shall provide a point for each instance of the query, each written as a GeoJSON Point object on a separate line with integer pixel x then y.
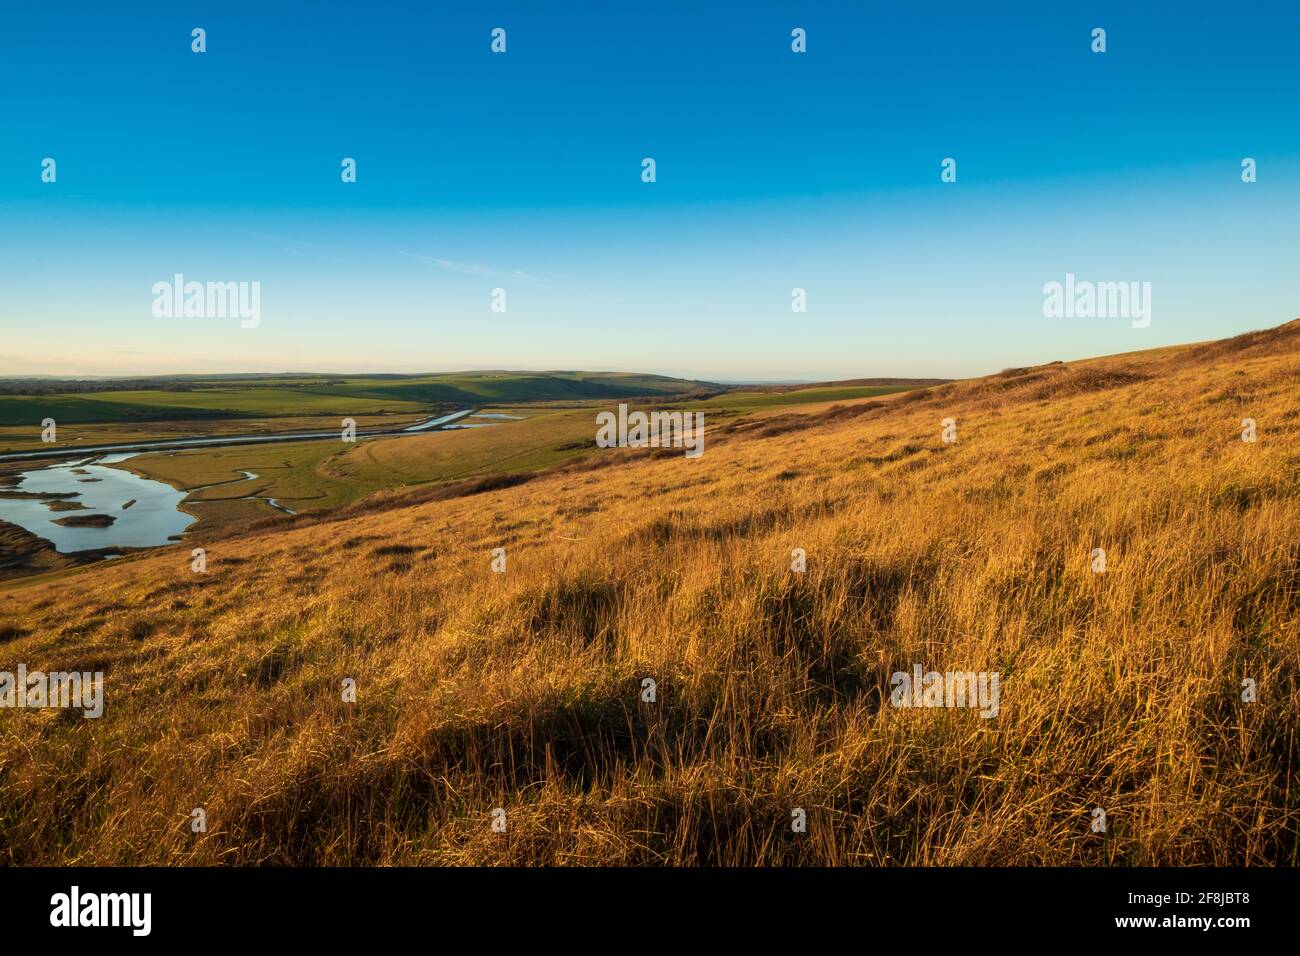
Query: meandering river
{"type": "Point", "coordinates": [221, 441]}
{"type": "Point", "coordinates": [144, 513]}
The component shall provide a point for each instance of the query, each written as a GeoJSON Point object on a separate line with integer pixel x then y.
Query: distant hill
{"type": "Point", "coordinates": [909, 382]}
{"type": "Point", "coordinates": [176, 398]}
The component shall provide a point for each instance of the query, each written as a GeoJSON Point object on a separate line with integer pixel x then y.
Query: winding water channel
{"type": "Point", "coordinates": [220, 441]}
{"type": "Point", "coordinates": [85, 504]}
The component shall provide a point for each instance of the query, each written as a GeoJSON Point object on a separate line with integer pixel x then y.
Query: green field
{"type": "Point", "coordinates": [19, 438]}
{"type": "Point", "coordinates": [213, 403]}
{"type": "Point", "coordinates": [308, 476]}
{"type": "Point", "coordinates": [197, 399]}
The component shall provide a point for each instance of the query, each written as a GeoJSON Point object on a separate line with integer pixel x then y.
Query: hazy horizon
{"type": "Point", "coordinates": [721, 379]}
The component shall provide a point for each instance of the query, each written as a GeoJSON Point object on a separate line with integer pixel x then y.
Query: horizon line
{"type": "Point", "coordinates": [724, 380]}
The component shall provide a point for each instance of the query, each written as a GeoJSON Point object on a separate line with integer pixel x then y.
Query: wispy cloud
{"type": "Point", "coordinates": [478, 269]}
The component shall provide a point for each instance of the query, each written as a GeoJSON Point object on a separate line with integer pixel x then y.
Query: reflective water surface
{"type": "Point", "coordinates": [145, 511]}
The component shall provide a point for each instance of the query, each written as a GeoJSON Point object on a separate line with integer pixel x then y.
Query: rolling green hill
{"type": "Point", "coordinates": [224, 397]}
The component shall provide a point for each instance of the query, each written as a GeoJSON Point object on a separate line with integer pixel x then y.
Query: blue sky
{"type": "Point", "coordinates": [522, 171]}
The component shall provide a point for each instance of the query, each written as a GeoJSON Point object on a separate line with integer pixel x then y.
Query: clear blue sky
{"type": "Point", "coordinates": [522, 171]}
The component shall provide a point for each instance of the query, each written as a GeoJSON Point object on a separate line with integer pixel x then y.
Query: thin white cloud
{"type": "Point", "coordinates": [476, 268]}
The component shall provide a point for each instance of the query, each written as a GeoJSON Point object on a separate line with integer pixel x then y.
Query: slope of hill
{"type": "Point", "coordinates": [1121, 690]}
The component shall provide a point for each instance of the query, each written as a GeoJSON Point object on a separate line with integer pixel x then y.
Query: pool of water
{"type": "Point", "coordinates": [153, 519]}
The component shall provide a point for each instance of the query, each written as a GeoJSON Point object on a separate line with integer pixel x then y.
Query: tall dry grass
{"type": "Point", "coordinates": [521, 690]}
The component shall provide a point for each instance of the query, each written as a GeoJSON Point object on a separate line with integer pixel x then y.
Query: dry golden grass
{"type": "Point", "coordinates": [521, 690]}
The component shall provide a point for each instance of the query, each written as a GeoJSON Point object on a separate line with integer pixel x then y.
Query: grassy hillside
{"type": "Point", "coordinates": [746, 400]}
{"type": "Point", "coordinates": [478, 690]}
